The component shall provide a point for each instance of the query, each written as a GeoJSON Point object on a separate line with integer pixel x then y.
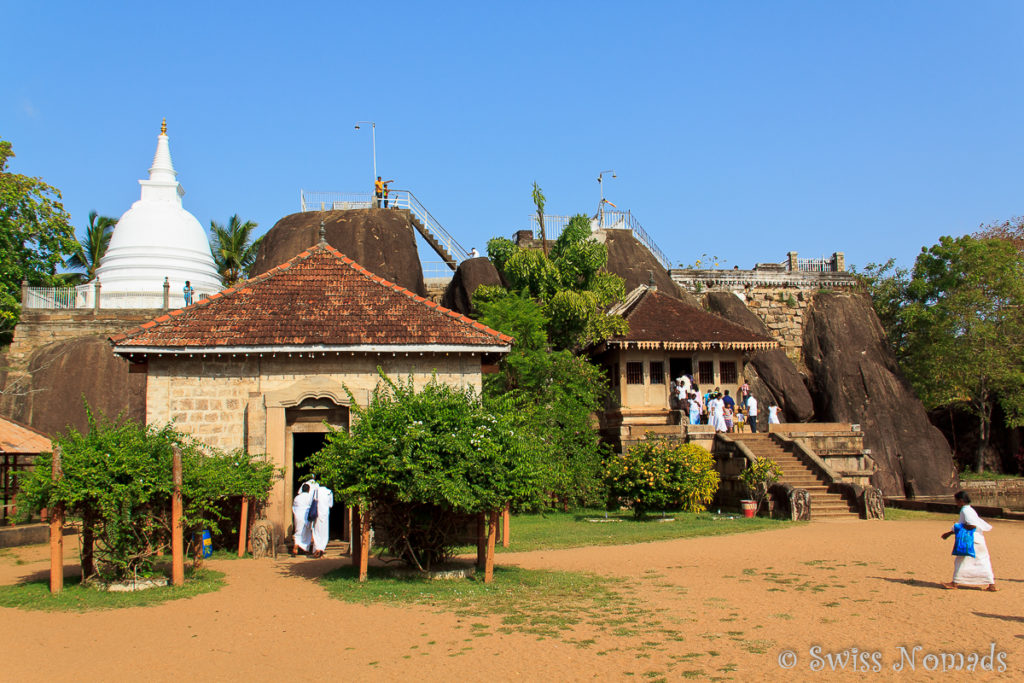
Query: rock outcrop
{"type": "Point", "coordinates": [62, 373]}
{"type": "Point", "coordinates": [855, 379]}
{"type": "Point", "coordinates": [381, 240]}
{"type": "Point", "coordinates": [470, 274]}
{"type": "Point", "coordinates": [634, 263]}
{"type": "Point", "coordinates": [772, 369]}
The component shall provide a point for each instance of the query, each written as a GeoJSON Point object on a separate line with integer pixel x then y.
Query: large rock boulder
{"type": "Point", "coordinates": [63, 373]}
{"type": "Point", "coordinates": [633, 262]}
{"type": "Point", "coordinates": [855, 379]}
{"type": "Point", "coordinates": [470, 274]}
{"type": "Point", "coordinates": [381, 240]}
{"type": "Point", "coordinates": [771, 369]}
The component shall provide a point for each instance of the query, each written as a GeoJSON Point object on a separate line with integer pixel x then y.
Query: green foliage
{"type": "Point", "coordinates": [657, 474]}
{"type": "Point", "coordinates": [887, 284]}
{"type": "Point", "coordinates": [559, 391]}
{"type": "Point", "coordinates": [532, 271]}
{"type": "Point", "coordinates": [500, 250]}
{"type": "Point", "coordinates": [118, 478]}
{"type": "Point", "coordinates": [538, 201]}
{"type": "Point", "coordinates": [234, 251]}
{"type": "Point", "coordinates": [759, 476]}
{"type": "Point", "coordinates": [35, 236]}
{"type": "Point", "coordinates": [426, 460]}
{"type": "Point", "coordinates": [97, 240]}
{"type": "Point", "coordinates": [964, 325]}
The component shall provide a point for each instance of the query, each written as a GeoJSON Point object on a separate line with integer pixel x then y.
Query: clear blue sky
{"type": "Point", "coordinates": [739, 129]}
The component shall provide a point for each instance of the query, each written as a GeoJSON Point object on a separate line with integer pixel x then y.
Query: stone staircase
{"type": "Point", "coordinates": [796, 473]}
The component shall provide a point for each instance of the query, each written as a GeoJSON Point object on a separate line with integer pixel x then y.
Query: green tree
{"type": "Point", "coordinates": [538, 201]}
{"type": "Point", "coordinates": [657, 474]}
{"type": "Point", "coordinates": [887, 284]}
{"type": "Point", "coordinates": [964, 325]}
{"type": "Point", "coordinates": [35, 236]}
{"type": "Point", "coordinates": [91, 250]}
{"type": "Point", "coordinates": [234, 250]}
{"type": "Point", "coordinates": [426, 461]}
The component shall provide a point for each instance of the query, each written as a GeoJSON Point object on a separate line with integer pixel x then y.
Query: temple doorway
{"type": "Point", "coordinates": [306, 428]}
{"type": "Point", "coordinates": [677, 367]}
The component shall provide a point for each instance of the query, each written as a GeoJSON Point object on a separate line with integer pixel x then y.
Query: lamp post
{"type": "Point", "coordinates": [600, 209]}
{"type": "Point", "coordinates": [373, 138]}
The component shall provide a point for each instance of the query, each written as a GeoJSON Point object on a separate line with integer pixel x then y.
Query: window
{"type": "Point", "coordinates": [727, 369]}
{"type": "Point", "coordinates": [706, 372]}
{"type": "Point", "coordinates": [657, 372]}
{"type": "Point", "coordinates": [634, 373]}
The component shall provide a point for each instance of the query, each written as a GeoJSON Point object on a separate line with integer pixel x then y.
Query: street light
{"type": "Point", "coordinates": [600, 209]}
{"type": "Point", "coordinates": [373, 137]}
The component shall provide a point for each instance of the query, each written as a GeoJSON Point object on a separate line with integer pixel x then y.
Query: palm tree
{"type": "Point", "coordinates": [91, 251]}
{"type": "Point", "coordinates": [233, 249]}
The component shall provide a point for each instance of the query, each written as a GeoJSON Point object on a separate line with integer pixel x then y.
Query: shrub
{"type": "Point", "coordinates": [426, 461]}
{"type": "Point", "coordinates": [117, 478]}
{"type": "Point", "coordinates": [661, 474]}
{"type": "Point", "coordinates": [758, 478]}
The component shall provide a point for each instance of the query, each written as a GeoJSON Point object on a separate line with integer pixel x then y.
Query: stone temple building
{"type": "Point", "coordinates": [268, 365]}
{"type": "Point", "coordinates": [156, 240]}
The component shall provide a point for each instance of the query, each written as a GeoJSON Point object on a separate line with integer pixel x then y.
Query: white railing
{"type": "Point", "coordinates": [815, 265]}
{"type": "Point", "coordinates": [609, 219]}
{"type": "Point", "coordinates": [436, 270]}
{"type": "Point", "coordinates": [396, 199]}
{"type": "Point", "coordinates": [84, 297]}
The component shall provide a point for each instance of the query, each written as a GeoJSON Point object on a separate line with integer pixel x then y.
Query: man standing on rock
{"type": "Point", "coordinates": [752, 413]}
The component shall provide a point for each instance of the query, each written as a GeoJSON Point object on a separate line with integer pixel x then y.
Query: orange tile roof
{"type": "Point", "coordinates": [19, 438]}
{"type": "Point", "coordinates": [320, 298]}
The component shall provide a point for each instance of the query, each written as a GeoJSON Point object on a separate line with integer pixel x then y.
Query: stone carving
{"type": "Point", "coordinates": [800, 505]}
{"type": "Point", "coordinates": [874, 503]}
{"type": "Point", "coordinates": [264, 541]}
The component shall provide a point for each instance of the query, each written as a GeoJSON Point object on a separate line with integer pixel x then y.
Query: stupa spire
{"type": "Point", "coordinates": [162, 169]}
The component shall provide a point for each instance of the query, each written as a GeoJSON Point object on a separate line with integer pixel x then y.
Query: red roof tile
{"type": "Point", "coordinates": [656, 317]}
{"type": "Point", "coordinates": [18, 438]}
{"type": "Point", "coordinates": [321, 298]}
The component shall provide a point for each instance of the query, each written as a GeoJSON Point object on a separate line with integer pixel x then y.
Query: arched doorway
{"type": "Point", "coordinates": [306, 429]}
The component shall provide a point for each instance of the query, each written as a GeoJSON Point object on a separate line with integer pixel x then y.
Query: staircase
{"type": "Point", "coordinates": [435, 244]}
{"type": "Point", "coordinates": [799, 475]}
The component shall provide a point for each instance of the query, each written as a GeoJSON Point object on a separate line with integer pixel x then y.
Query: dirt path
{"type": "Point", "coordinates": [735, 603]}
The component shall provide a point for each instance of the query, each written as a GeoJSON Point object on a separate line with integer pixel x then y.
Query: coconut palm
{"type": "Point", "coordinates": [92, 249]}
{"type": "Point", "coordinates": [234, 250]}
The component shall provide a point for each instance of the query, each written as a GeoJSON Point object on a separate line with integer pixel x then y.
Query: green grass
{"type": "Point", "coordinates": [986, 476]}
{"type": "Point", "coordinates": [554, 530]}
{"type": "Point", "coordinates": [900, 515]}
{"type": "Point", "coordinates": [35, 595]}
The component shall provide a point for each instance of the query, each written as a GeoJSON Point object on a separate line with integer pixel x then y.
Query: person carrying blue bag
{"type": "Point", "coordinates": [972, 566]}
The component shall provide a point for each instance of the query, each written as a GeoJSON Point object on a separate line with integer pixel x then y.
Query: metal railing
{"type": "Point", "coordinates": [613, 220]}
{"type": "Point", "coordinates": [396, 199]}
{"type": "Point", "coordinates": [436, 270]}
{"type": "Point", "coordinates": [56, 298]}
{"type": "Point", "coordinates": [815, 265]}
{"type": "Point", "coordinates": [84, 297]}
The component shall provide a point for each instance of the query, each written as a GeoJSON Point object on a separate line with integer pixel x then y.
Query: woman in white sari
{"type": "Point", "coordinates": [967, 570]}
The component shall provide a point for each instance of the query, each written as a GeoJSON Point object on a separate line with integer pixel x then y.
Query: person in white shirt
{"type": "Point", "coordinates": [752, 413]}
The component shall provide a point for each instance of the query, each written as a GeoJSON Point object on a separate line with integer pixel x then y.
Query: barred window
{"type": "Point", "coordinates": [657, 372]}
{"type": "Point", "coordinates": [706, 372]}
{"type": "Point", "coordinates": [727, 369]}
{"type": "Point", "coordinates": [634, 373]}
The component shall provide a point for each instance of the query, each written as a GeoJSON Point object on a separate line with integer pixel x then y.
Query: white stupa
{"type": "Point", "coordinates": [156, 239]}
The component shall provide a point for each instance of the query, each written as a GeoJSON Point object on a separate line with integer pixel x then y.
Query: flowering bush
{"type": "Point", "coordinates": [759, 476]}
{"type": "Point", "coordinates": [657, 474]}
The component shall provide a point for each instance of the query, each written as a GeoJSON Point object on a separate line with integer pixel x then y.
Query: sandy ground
{"type": "Point", "coordinates": [739, 606]}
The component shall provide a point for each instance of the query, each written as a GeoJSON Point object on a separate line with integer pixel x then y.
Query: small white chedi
{"type": "Point", "coordinates": [157, 239]}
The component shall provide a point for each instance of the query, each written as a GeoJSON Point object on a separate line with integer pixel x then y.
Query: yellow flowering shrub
{"type": "Point", "coordinates": [657, 474]}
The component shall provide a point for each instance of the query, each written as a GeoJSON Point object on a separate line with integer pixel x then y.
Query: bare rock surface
{"type": "Point", "coordinates": [774, 374]}
{"type": "Point", "coordinates": [470, 274]}
{"type": "Point", "coordinates": [856, 380]}
{"type": "Point", "coordinates": [62, 373]}
{"type": "Point", "coordinates": [634, 263]}
{"type": "Point", "coordinates": [381, 240]}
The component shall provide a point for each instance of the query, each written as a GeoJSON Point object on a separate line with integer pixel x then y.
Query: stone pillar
{"type": "Point", "coordinates": [791, 262]}
{"type": "Point", "coordinates": [96, 300]}
{"type": "Point", "coordinates": [24, 293]}
{"type": "Point", "coordinates": [167, 294]}
{"type": "Point", "coordinates": [839, 262]}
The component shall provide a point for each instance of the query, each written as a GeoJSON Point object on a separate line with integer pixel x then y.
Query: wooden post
{"type": "Point", "coordinates": [504, 526]}
{"type": "Point", "coordinates": [243, 527]}
{"type": "Point", "coordinates": [56, 531]}
{"type": "Point", "coordinates": [355, 537]}
{"type": "Point", "coordinates": [177, 532]}
{"type": "Point", "coordinates": [492, 533]}
{"type": "Point", "coordinates": [364, 544]}
{"type": "Point", "coordinates": [481, 542]}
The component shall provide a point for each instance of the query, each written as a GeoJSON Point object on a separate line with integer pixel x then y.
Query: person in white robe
{"type": "Point", "coordinates": [716, 413]}
{"type": "Point", "coordinates": [773, 414]}
{"type": "Point", "coordinates": [967, 570]}
{"type": "Point", "coordinates": [303, 535]}
{"type": "Point", "coordinates": [322, 525]}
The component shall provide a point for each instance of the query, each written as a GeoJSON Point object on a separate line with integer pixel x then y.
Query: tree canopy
{"type": "Point", "coordinates": [35, 236]}
{"type": "Point", "coordinates": [91, 250]}
{"type": "Point", "coordinates": [234, 250]}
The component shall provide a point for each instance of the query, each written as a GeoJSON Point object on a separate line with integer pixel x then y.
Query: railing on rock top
{"type": "Point", "coordinates": [613, 219]}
